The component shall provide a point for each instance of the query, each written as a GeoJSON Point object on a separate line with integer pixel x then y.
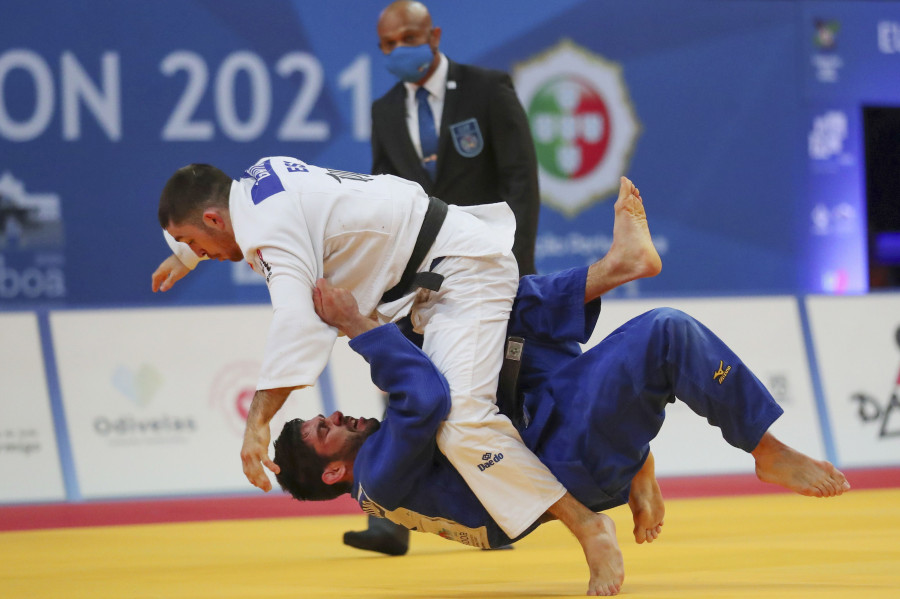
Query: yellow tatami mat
{"type": "Point", "coordinates": [764, 546]}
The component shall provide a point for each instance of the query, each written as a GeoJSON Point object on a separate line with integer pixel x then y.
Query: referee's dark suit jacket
{"type": "Point", "coordinates": [492, 162]}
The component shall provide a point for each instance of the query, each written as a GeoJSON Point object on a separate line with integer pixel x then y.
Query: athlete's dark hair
{"type": "Point", "coordinates": [192, 189]}
{"type": "Point", "coordinates": [301, 467]}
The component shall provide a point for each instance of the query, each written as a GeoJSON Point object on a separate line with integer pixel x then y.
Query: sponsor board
{"type": "Point", "coordinates": [155, 399]}
{"type": "Point", "coordinates": [857, 345]}
{"type": "Point", "coordinates": [29, 458]}
{"type": "Point", "coordinates": [766, 334]}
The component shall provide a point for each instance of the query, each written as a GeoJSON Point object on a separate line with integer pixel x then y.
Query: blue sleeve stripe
{"type": "Point", "coordinates": [267, 182]}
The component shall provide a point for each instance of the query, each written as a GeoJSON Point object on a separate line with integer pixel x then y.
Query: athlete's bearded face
{"type": "Point", "coordinates": [337, 436]}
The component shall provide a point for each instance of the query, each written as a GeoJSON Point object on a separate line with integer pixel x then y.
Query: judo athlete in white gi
{"type": "Point", "coordinates": [589, 417]}
{"type": "Point", "coordinates": [295, 223]}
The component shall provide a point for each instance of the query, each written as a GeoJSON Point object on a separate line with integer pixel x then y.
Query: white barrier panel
{"type": "Point", "coordinates": [355, 393]}
{"type": "Point", "coordinates": [156, 400]}
{"type": "Point", "coordinates": [857, 345]}
{"type": "Point", "coordinates": [29, 459]}
{"type": "Point", "coordinates": [766, 333]}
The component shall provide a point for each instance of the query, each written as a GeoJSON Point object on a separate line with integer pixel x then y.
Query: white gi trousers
{"type": "Point", "coordinates": [465, 332]}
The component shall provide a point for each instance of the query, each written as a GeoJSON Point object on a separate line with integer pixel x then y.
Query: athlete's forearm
{"type": "Point", "coordinates": [265, 404]}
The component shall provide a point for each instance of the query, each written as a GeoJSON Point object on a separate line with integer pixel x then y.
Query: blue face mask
{"type": "Point", "coordinates": [410, 63]}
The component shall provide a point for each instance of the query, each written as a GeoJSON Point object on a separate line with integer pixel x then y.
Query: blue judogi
{"type": "Point", "coordinates": [590, 417]}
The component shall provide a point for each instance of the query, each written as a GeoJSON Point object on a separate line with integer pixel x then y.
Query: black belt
{"type": "Point", "coordinates": [509, 401]}
{"type": "Point", "coordinates": [431, 226]}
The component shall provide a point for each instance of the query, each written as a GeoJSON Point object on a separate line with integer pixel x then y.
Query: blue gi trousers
{"type": "Point", "coordinates": [593, 419]}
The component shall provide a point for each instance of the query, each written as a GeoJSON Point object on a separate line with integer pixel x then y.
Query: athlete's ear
{"type": "Point", "coordinates": [214, 218]}
{"type": "Point", "coordinates": [334, 472]}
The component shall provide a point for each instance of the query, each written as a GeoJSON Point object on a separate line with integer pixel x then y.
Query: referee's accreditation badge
{"type": "Point", "coordinates": [583, 123]}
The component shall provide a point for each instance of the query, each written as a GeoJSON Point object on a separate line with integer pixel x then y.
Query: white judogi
{"type": "Point", "coordinates": [296, 223]}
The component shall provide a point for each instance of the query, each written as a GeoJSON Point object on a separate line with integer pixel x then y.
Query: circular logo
{"type": "Point", "coordinates": [582, 121]}
{"type": "Point", "coordinates": [232, 392]}
{"type": "Point", "coordinates": [242, 402]}
{"type": "Point", "coordinates": [571, 127]}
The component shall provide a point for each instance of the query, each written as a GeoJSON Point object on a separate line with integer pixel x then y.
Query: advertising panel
{"type": "Point", "coordinates": [29, 459]}
{"type": "Point", "coordinates": [156, 400]}
{"type": "Point", "coordinates": [766, 334]}
{"type": "Point", "coordinates": [857, 345]}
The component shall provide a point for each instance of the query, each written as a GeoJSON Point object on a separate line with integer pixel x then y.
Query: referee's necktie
{"type": "Point", "coordinates": [427, 134]}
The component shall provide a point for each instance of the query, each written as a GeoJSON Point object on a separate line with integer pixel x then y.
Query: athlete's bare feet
{"type": "Point", "coordinates": [632, 254]}
{"type": "Point", "coordinates": [782, 465]}
{"type": "Point", "coordinates": [646, 503]}
{"type": "Point", "coordinates": [603, 557]}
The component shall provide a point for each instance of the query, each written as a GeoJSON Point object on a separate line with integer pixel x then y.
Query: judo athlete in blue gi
{"type": "Point", "coordinates": [588, 416]}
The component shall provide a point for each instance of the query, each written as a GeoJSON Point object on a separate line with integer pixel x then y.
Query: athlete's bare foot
{"type": "Point", "coordinates": [597, 535]}
{"type": "Point", "coordinates": [603, 557]}
{"type": "Point", "coordinates": [632, 254]}
{"type": "Point", "coordinates": [646, 503]}
{"type": "Point", "coordinates": [782, 465]}
{"type": "Point", "coordinates": [632, 245]}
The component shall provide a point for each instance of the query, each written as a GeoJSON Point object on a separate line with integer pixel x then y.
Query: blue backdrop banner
{"type": "Point", "coordinates": [740, 122]}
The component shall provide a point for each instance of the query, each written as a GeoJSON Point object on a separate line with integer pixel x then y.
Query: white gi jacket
{"type": "Point", "coordinates": [296, 222]}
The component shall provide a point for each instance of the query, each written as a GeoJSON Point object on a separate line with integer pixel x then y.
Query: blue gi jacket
{"type": "Point", "coordinates": [399, 471]}
{"type": "Point", "coordinates": [589, 416]}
